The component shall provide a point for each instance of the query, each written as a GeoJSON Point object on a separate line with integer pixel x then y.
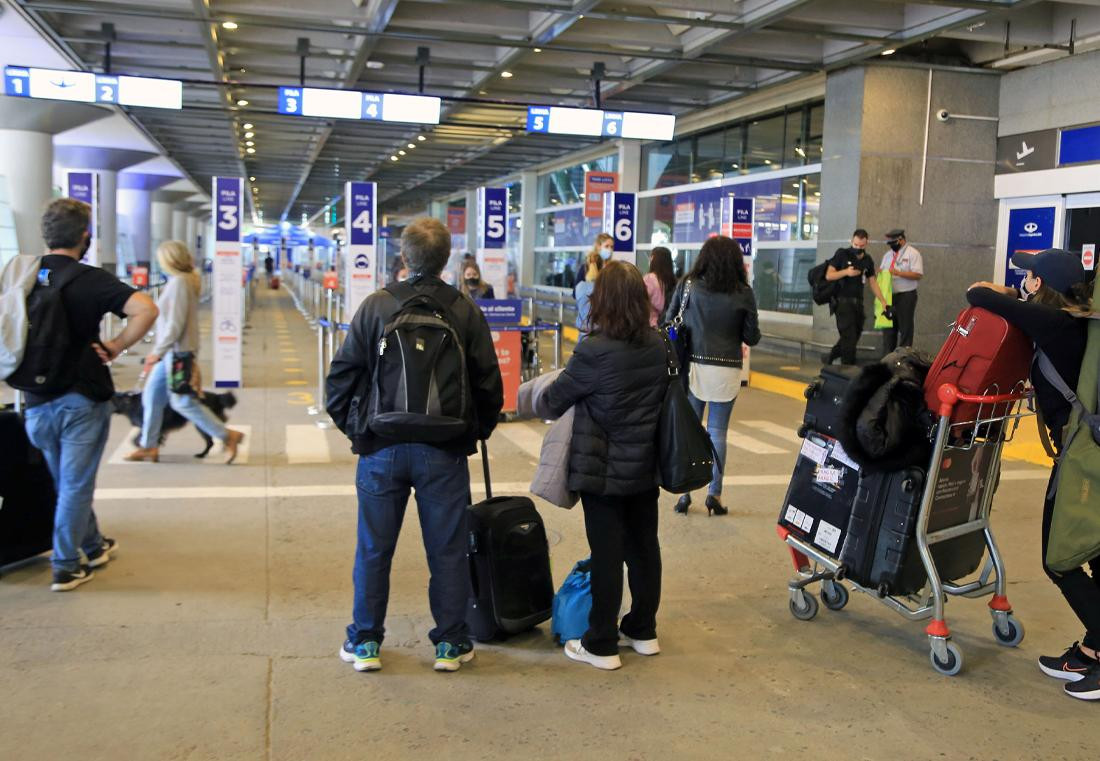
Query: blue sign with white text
{"type": "Point", "coordinates": [362, 214]}
{"type": "Point", "coordinates": [82, 188]}
{"type": "Point", "coordinates": [743, 223]}
{"type": "Point", "coordinates": [619, 220]}
{"type": "Point", "coordinates": [1030, 231]}
{"type": "Point", "coordinates": [494, 216]}
{"type": "Point", "coordinates": [538, 119]}
{"type": "Point", "coordinates": [501, 311]}
{"type": "Point", "coordinates": [227, 214]}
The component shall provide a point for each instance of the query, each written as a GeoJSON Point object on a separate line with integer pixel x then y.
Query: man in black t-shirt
{"type": "Point", "coordinates": [70, 426]}
{"type": "Point", "coordinates": [852, 268]}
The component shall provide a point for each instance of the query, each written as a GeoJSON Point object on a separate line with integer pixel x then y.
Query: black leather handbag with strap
{"type": "Point", "coordinates": [685, 453]}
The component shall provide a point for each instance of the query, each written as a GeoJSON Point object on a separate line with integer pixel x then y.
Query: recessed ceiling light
{"type": "Point", "coordinates": [411, 145]}
{"type": "Point", "coordinates": [538, 50]}
{"type": "Point", "coordinates": [400, 153]}
{"type": "Point", "coordinates": [421, 138]}
{"type": "Point", "coordinates": [250, 150]}
{"type": "Point", "coordinates": [580, 16]}
{"type": "Point", "coordinates": [242, 102]}
{"type": "Point", "coordinates": [393, 158]}
{"type": "Point", "coordinates": [248, 125]}
{"type": "Point", "coordinates": [767, 161]}
{"type": "Point", "coordinates": [375, 64]}
{"type": "Point", "coordinates": [251, 179]}
{"type": "Point", "coordinates": [889, 51]}
{"type": "Point", "coordinates": [244, 70]}
{"type": "Point", "coordinates": [229, 25]}
{"type": "Point", "coordinates": [506, 74]}
{"type": "Point", "coordinates": [250, 134]}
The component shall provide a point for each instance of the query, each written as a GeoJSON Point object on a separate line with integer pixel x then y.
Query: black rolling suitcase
{"type": "Point", "coordinates": [824, 397]}
{"type": "Point", "coordinates": [880, 550]}
{"type": "Point", "coordinates": [27, 495]}
{"type": "Point", "coordinates": [511, 587]}
{"type": "Point", "coordinates": [819, 498]}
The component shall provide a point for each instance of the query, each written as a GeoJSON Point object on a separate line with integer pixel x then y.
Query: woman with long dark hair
{"type": "Point", "coordinates": [719, 316]}
{"type": "Point", "coordinates": [616, 381]}
{"type": "Point", "coordinates": [1049, 307]}
{"type": "Point", "coordinates": [660, 282]}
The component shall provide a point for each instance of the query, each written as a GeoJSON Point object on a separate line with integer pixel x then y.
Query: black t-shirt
{"type": "Point", "coordinates": [852, 287]}
{"type": "Point", "coordinates": [87, 298]}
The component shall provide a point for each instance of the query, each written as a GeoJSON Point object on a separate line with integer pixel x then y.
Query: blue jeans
{"type": "Point", "coordinates": [442, 483]}
{"type": "Point", "coordinates": [71, 431]}
{"type": "Point", "coordinates": [718, 422]}
{"type": "Point", "coordinates": [156, 395]}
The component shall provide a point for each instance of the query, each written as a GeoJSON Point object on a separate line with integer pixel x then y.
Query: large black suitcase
{"type": "Point", "coordinates": [825, 396]}
{"type": "Point", "coordinates": [511, 586]}
{"type": "Point", "coordinates": [880, 551]}
{"type": "Point", "coordinates": [27, 495]}
{"type": "Point", "coordinates": [822, 489]}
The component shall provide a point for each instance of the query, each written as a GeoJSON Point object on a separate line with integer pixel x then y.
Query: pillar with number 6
{"type": "Point", "coordinates": [620, 221]}
{"type": "Point", "coordinates": [360, 255]}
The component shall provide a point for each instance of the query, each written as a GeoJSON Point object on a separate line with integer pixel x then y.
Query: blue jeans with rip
{"type": "Point", "coordinates": [718, 422]}
{"type": "Point", "coordinates": [72, 431]}
{"type": "Point", "coordinates": [442, 483]}
{"type": "Point", "coordinates": [156, 395]}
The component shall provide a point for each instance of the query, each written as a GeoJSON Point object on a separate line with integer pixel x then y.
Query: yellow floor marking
{"type": "Point", "coordinates": [777, 385]}
{"type": "Point", "coordinates": [298, 383]}
{"type": "Point", "coordinates": [292, 369]}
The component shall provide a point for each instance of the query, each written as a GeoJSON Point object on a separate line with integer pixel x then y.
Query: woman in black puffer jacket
{"type": "Point", "coordinates": [616, 379]}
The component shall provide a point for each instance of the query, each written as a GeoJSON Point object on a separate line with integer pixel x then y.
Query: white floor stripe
{"type": "Point", "coordinates": [306, 444]}
{"type": "Point", "coordinates": [518, 435]}
{"type": "Point", "coordinates": [774, 429]}
{"type": "Point", "coordinates": [348, 489]}
{"type": "Point", "coordinates": [749, 444]}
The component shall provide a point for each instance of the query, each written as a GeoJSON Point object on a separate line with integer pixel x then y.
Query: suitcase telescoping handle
{"type": "Point", "coordinates": [485, 469]}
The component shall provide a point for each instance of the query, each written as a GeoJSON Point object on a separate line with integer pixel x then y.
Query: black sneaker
{"type": "Point", "coordinates": [102, 556]}
{"type": "Point", "coordinates": [63, 581]}
{"type": "Point", "coordinates": [1071, 665]}
{"type": "Point", "coordinates": [1087, 687]}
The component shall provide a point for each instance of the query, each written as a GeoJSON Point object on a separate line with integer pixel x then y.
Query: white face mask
{"type": "Point", "coordinates": [605, 253]}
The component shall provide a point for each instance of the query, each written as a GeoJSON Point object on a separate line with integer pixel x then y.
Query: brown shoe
{"type": "Point", "coordinates": [152, 454]}
{"type": "Point", "coordinates": [232, 441]}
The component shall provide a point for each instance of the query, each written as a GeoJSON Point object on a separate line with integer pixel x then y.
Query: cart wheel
{"type": "Point", "coordinates": [835, 596]}
{"type": "Point", "coordinates": [1013, 637]}
{"type": "Point", "coordinates": [803, 430]}
{"type": "Point", "coordinates": [952, 665]}
{"type": "Point", "coordinates": [805, 611]}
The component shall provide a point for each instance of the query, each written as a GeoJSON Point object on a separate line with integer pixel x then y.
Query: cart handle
{"type": "Point", "coordinates": [950, 395]}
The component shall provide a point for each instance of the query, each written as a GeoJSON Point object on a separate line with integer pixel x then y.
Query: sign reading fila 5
{"type": "Point", "coordinates": [494, 217]}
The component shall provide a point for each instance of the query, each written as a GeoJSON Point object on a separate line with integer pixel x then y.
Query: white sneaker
{"type": "Point", "coordinates": [641, 646]}
{"type": "Point", "coordinates": [574, 650]}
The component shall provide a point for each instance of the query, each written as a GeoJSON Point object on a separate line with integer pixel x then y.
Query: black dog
{"type": "Point", "coordinates": [129, 404]}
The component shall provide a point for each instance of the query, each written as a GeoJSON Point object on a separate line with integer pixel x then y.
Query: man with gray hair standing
{"type": "Point", "coordinates": [414, 386]}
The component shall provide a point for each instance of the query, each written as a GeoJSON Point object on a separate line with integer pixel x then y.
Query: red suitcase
{"type": "Point", "coordinates": [983, 354]}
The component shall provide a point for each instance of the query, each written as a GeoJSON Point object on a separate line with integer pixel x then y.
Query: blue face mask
{"type": "Point", "coordinates": [605, 254]}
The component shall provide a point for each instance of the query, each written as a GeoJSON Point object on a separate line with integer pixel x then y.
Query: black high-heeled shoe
{"type": "Point", "coordinates": [714, 507]}
{"type": "Point", "coordinates": [683, 504]}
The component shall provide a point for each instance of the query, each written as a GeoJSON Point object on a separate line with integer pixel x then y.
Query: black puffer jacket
{"type": "Point", "coordinates": [617, 389]}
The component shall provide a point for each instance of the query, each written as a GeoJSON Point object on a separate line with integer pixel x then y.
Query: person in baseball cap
{"type": "Point", "coordinates": [1054, 268]}
{"type": "Point", "coordinates": [906, 267]}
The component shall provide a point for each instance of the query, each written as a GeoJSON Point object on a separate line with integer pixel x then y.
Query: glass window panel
{"type": "Point", "coordinates": [667, 164]}
{"type": "Point", "coordinates": [566, 186]}
{"type": "Point", "coordinates": [735, 146]}
{"type": "Point", "coordinates": [710, 152]}
{"type": "Point", "coordinates": [779, 279]}
{"type": "Point", "coordinates": [765, 144]}
{"type": "Point", "coordinates": [814, 133]}
{"type": "Point", "coordinates": [794, 142]}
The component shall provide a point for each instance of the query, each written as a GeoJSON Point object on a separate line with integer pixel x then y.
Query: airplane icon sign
{"type": "Point", "coordinates": [1025, 151]}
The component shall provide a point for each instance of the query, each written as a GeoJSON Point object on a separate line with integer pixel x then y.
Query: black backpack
{"type": "Point", "coordinates": [822, 291]}
{"type": "Point", "coordinates": [420, 389]}
{"type": "Point", "coordinates": [49, 363]}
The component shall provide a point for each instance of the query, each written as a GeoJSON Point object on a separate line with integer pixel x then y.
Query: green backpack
{"type": "Point", "coordinates": [1075, 524]}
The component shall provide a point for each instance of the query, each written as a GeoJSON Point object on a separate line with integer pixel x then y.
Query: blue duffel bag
{"type": "Point", "coordinates": [572, 604]}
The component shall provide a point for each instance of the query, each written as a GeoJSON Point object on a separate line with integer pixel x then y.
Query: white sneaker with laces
{"type": "Point", "coordinates": [574, 650]}
{"type": "Point", "coordinates": [641, 646]}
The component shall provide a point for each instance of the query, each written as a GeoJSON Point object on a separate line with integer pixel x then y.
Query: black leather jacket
{"type": "Point", "coordinates": [348, 385]}
{"type": "Point", "coordinates": [717, 323]}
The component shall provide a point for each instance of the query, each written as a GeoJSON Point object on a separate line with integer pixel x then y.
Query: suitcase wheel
{"type": "Point", "coordinates": [803, 430]}
{"type": "Point", "coordinates": [812, 389]}
{"type": "Point", "coordinates": [804, 607]}
{"type": "Point", "coordinates": [908, 485]}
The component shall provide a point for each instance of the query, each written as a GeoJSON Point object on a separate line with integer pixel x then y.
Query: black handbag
{"type": "Point", "coordinates": [678, 332]}
{"type": "Point", "coordinates": [685, 453]}
{"type": "Point", "coordinates": [181, 372]}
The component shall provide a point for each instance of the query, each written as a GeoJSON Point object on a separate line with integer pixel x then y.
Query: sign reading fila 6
{"type": "Point", "coordinates": [619, 221]}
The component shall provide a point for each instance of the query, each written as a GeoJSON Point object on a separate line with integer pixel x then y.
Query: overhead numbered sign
{"type": "Point", "coordinates": [228, 309]}
{"type": "Point", "coordinates": [361, 258]}
{"type": "Point", "coordinates": [353, 104]}
{"type": "Point", "coordinates": [619, 219]}
{"type": "Point", "coordinates": [86, 87]}
{"type": "Point", "coordinates": [594, 122]}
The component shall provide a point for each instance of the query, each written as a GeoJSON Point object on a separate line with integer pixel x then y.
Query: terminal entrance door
{"type": "Point", "coordinates": [1083, 226]}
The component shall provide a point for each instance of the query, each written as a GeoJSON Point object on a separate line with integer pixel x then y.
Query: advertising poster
{"type": "Point", "coordinates": [228, 270]}
{"type": "Point", "coordinates": [84, 186]}
{"type": "Point", "coordinates": [595, 185]}
{"type": "Point", "coordinates": [361, 259]}
{"type": "Point", "coordinates": [509, 355]}
{"type": "Point", "coordinates": [1030, 231]}
{"type": "Point", "coordinates": [620, 221]}
{"type": "Point", "coordinates": [492, 254]}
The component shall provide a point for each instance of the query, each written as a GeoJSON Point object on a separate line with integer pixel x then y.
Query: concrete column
{"type": "Point", "coordinates": [105, 162]}
{"type": "Point", "coordinates": [26, 161]}
{"type": "Point", "coordinates": [526, 263]}
{"type": "Point", "coordinates": [630, 165]}
{"type": "Point", "coordinates": [471, 221]}
{"type": "Point", "coordinates": [135, 202]}
{"type": "Point", "coordinates": [162, 218]}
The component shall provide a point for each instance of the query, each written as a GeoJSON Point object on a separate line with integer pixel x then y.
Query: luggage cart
{"type": "Point", "coordinates": [998, 416]}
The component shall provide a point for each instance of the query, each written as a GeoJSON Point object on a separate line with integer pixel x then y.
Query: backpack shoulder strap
{"type": "Point", "coordinates": [401, 291]}
{"type": "Point", "coordinates": [1046, 367]}
{"type": "Point", "coordinates": [70, 273]}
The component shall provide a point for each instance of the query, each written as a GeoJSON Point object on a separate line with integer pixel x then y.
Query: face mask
{"type": "Point", "coordinates": [472, 282]}
{"type": "Point", "coordinates": [895, 246]}
{"type": "Point", "coordinates": [605, 253]}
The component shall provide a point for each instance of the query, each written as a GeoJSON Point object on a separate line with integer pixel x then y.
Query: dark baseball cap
{"type": "Point", "coordinates": [896, 233]}
{"type": "Point", "coordinates": [1059, 269]}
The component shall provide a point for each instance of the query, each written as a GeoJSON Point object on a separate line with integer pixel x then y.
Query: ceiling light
{"type": "Point", "coordinates": [249, 150]}
{"type": "Point", "coordinates": [255, 190]}
{"type": "Point", "coordinates": [768, 161]}
{"type": "Point", "coordinates": [889, 51]}
{"type": "Point", "coordinates": [251, 179]}
{"type": "Point", "coordinates": [411, 145]}
{"type": "Point", "coordinates": [538, 50]}
{"type": "Point", "coordinates": [248, 125]}
{"type": "Point", "coordinates": [249, 143]}
{"type": "Point", "coordinates": [244, 70]}
{"type": "Point", "coordinates": [253, 134]}
{"type": "Point", "coordinates": [242, 102]}
{"type": "Point", "coordinates": [506, 74]}
{"type": "Point", "coordinates": [375, 64]}
{"type": "Point", "coordinates": [817, 194]}
{"type": "Point", "coordinates": [393, 158]}
{"type": "Point", "coordinates": [421, 138]}
{"type": "Point", "coordinates": [580, 17]}
{"type": "Point", "coordinates": [400, 153]}
{"type": "Point", "coordinates": [229, 25]}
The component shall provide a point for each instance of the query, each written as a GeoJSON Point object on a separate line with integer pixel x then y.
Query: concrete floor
{"type": "Point", "coordinates": [213, 635]}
